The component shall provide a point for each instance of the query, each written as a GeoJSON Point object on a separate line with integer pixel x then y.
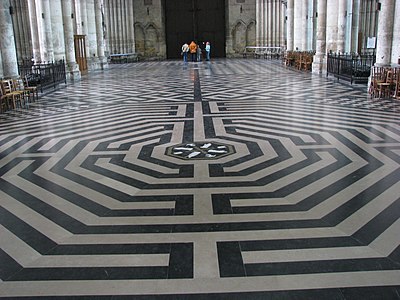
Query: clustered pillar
{"type": "Point", "coordinates": [290, 25]}
{"type": "Point", "coordinates": [98, 7]}
{"type": "Point", "coordinates": [72, 67]}
{"type": "Point", "coordinates": [304, 25]}
{"type": "Point", "coordinates": [396, 35]}
{"type": "Point", "coordinates": [385, 33]}
{"type": "Point", "coordinates": [7, 45]}
{"type": "Point", "coordinates": [331, 30]}
{"type": "Point", "coordinates": [57, 30]}
{"type": "Point", "coordinates": [342, 18]}
{"type": "Point", "coordinates": [52, 39]}
{"type": "Point", "coordinates": [319, 57]}
{"type": "Point", "coordinates": [270, 20]}
{"type": "Point", "coordinates": [259, 31]}
{"type": "Point", "coordinates": [34, 31]}
{"type": "Point", "coordinates": [120, 26]}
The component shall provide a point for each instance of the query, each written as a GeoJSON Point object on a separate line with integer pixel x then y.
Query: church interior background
{"type": "Point", "coordinates": [128, 173]}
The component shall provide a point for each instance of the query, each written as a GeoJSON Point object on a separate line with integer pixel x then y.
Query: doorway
{"type": "Point", "coordinates": [80, 53]}
{"type": "Point", "coordinates": [198, 20]}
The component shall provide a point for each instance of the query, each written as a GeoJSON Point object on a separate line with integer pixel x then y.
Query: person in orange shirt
{"type": "Point", "coordinates": [193, 50]}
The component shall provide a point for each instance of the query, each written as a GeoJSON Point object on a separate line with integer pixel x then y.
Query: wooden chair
{"type": "Point", "coordinates": [3, 101]}
{"type": "Point", "coordinates": [378, 76]}
{"type": "Point", "coordinates": [32, 89]}
{"type": "Point", "coordinates": [397, 86]}
{"type": "Point", "coordinates": [9, 90]}
{"type": "Point", "coordinates": [385, 88]}
{"type": "Point", "coordinates": [28, 94]}
{"type": "Point", "coordinates": [292, 58]}
{"type": "Point", "coordinates": [298, 60]}
{"type": "Point", "coordinates": [306, 63]}
{"type": "Point", "coordinates": [288, 58]}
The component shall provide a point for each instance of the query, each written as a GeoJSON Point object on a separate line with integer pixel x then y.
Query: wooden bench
{"type": "Point", "coordinates": [121, 58]}
{"type": "Point", "coordinates": [250, 51]}
{"type": "Point", "coordinates": [265, 51]}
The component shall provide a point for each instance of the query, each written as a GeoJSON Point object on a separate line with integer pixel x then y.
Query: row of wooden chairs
{"type": "Point", "coordinates": [300, 60]}
{"type": "Point", "coordinates": [16, 93]}
{"type": "Point", "coordinates": [385, 82]}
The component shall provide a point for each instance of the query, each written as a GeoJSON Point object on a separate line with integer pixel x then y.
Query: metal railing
{"type": "Point", "coordinates": [350, 67]}
{"type": "Point", "coordinates": [44, 76]}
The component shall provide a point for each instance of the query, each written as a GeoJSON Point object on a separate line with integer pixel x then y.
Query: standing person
{"type": "Point", "coordinates": [198, 53]}
{"type": "Point", "coordinates": [193, 50]}
{"type": "Point", "coordinates": [185, 50]}
{"type": "Point", "coordinates": [208, 49]}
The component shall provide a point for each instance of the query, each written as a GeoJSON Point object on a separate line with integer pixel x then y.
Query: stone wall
{"type": "Point", "coordinates": [240, 19]}
{"type": "Point", "coordinates": [150, 29]}
{"type": "Point", "coordinates": [241, 26]}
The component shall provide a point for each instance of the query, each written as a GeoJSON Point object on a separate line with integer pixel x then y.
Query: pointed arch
{"type": "Point", "coordinates": [139, 39]}
{"type": "Point", "coordinates": [152, 40]}
{"type": "Point", "coordinates": [239, 38]}
{"type": "Point", "coordinates": [251, 33]}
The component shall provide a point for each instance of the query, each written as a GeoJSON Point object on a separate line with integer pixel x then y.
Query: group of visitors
{"type": "Point", "coordinates": [195, 51]}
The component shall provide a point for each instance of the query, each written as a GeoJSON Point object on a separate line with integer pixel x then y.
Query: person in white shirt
{"type": "Point", "coordinates": [208, 49]}
{"type": "Point", "coordinates": [185, 50]}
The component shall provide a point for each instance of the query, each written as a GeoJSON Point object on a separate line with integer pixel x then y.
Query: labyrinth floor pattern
{"type": "Point", "coordinates": [232, 179]}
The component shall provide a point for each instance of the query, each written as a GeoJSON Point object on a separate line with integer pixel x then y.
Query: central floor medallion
{"type": "Point", "coordinates": [200, 150]}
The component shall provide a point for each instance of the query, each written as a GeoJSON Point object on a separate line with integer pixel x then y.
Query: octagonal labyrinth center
{"type": "Point", "coordinates": [210, 150]}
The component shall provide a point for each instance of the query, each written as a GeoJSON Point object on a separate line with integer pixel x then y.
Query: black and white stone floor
{"type": "Point", "coordinates": [226, 179]}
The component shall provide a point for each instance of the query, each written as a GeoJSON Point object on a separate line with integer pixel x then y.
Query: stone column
{"type": "Point", "coordinates": [109, 20]}
{"type": "Point", "coordinates": [297, 24]}
{"type": "Point", "coordinates": [282, 25]}
{"type": "Point", "coordinates": [115, 31]}
{"type": "Point", "coordinates": [77, 22]}
{"type": "Point", "coordinates": [114, 28]}
{"type": "Point", "coordinates": [34, 31]}
{"type": "Point", "coordinates": [385, 33]}
{"type": "Point", "coordinates": [262, 24]}
{"type": "Point", "coordinates": [1, 66]}
{"type": "Point", "coordinates": [107, 17]}
{"type": "Point", "coordinates": [290, 22]}
{"type": "Point", "coordinates": [74, 18]}
{"type": "Point", "coordinates": [123, 23]}
{"type": "Point", "coordinates": [355, 17]}
{"type": "Point", "coordinates": [279, 27]}
{"type": "Point", "coordinates": [7, 45]}
{"type": "Point", "coordinates": [319, 58]}
{"type": "Point", "coordinates": [91, 40]}
{"type": "Point", "coordinates": [73, 72]}
{"type": "Point", "coordinates": [98, 6]}
{"type": "Point", "coordinates": [83, 9]}
{"type": "Point", "coordinates": [396, 35]}
{"type": "Point", "coordinates": [119, 24]}
{"type": "Point", "coordinates": [131, 29]}
{"type": "Point", "coordinates": [342, 19]}
{"type": "Point", "coordinates": [45, 34]}
{"type": "Point", "coordinates": [275, 22]}
{"type": "Point", "coordinates": [270, 27]}
{"type": "Point", "coordinates": [57, 30]}
{"type": "Point", "coordinates": [304, 36]}
{"type": "Point", "coordinates": [258, 28]}
{"type": "Point", "coordinates": [266, 23]}
{"type": "Point", "coordinates": [332, 25]}
{"type": "Point", "coordinates": [312, 41]}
